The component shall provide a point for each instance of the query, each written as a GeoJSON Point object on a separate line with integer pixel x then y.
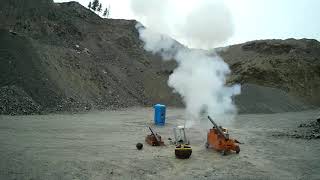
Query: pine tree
{"type": "Point", "coordinates": [89, 6]}
{"type": "Point", "coordinates": [95, 5]}
{"type": "Point", "coordinates": [99, 8]}
{"type": "Point", "coordinates": [106, 12]}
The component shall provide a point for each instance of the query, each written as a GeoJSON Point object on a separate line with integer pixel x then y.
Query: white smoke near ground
{"type": "Point", "coordinates": [200, 80]}
{"type": "Point", "coordinates": [200, 77]}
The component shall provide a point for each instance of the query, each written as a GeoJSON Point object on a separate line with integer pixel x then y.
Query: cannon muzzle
{"type": "Point", "coordinates": [155, 135]}
{"type": "Point", "coordinates": [218, 128]}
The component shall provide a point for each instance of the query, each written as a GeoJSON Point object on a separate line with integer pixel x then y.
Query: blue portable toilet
{"type": "Point", "coordinates": [159, 114]}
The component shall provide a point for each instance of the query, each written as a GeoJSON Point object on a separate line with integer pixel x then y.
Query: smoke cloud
{"type": "Point", "coordinates": [201, 24]}
{"type": "Point", "coordinates": [207, 25]}
{"type": "Point", "coordinates": [200, 77]}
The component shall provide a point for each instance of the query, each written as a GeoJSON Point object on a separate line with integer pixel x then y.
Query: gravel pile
{"type": "Point", "coordinates": [66, 58]}
{"type": "Point", "coordinates": [310, 130]}
{"type": "Point", "coordinates": [13, 100]}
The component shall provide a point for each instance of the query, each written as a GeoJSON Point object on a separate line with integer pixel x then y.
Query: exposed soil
{"type": "Point", "coordinates": [290, 65]}
{"type": "Point", "coordinates": [102, 145]}
{"type": "Point", "coordinates": [66, 58]}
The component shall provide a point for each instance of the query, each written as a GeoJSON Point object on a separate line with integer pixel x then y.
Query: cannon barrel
{"type": "Point", "coordinates": [218, 128]}
{"type": "Point", "coordinates": [155, 135]}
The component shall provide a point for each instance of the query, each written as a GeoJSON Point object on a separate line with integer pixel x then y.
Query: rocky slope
{"type": "Point", "coordinates": [63, 57]}
{"type": "Point", "coordinates": [286, 74]}
{"type": "Point", "coordinates": [290, 65]}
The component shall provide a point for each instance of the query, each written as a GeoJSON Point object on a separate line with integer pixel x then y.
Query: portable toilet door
{"type": "Point", "coordinates": [159, 114]}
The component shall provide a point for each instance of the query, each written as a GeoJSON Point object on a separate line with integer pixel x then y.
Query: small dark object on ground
{"type": "Point", "coordinates": [139, 146]}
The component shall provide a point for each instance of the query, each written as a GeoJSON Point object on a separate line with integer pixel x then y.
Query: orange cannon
{"type": "Point", "coordinates": [154, 139]}
{"type": "Point", "coordinates": [218, 139]}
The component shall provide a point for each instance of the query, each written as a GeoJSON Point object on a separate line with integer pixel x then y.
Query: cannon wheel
{"type": "Point", "coordinates": [237, 149]}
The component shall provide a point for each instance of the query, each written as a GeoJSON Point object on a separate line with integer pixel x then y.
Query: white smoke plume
{"type": "Point", "coordinates": [200, 77]}
{"type": "Point", "coordinates": [201, 24]}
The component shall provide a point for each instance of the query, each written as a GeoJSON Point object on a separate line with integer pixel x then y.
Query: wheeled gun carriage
{"type": "Point", "coordinates": [218, 139]}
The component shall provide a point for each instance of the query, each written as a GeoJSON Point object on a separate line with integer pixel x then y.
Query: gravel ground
{"type": "Point", "coordinates": [101, 145]}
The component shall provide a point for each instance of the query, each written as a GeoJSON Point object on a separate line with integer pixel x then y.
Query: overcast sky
{"type": "Point", "coordinates": [252, 19]}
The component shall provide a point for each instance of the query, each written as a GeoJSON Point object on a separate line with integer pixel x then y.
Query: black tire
{"type": "Point", "coordinates": [237, 149]}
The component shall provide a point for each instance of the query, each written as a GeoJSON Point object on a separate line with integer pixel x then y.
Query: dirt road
{"type": "Point", "coordinates": [101, 145]}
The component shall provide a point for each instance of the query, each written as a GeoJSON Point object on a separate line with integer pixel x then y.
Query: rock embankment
{"type": "Point", "coordinates": [13, 100]}
{"type": "Point", "coordinates": [63, 57]}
